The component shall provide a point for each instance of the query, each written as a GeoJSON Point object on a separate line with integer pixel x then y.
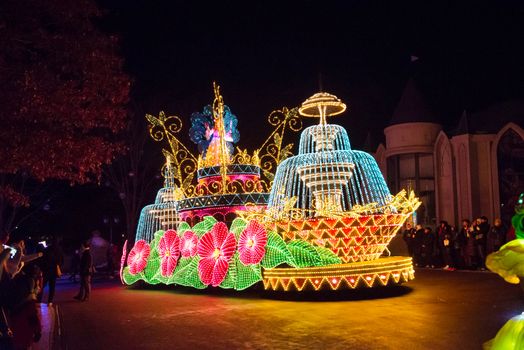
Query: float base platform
{"type": "Point", "coordinates": [367, 274]}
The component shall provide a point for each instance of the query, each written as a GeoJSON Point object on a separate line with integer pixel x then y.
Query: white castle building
{"type": "Point", "coordinates": [473, 170]}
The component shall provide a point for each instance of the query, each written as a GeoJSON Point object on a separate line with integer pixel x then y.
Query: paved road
{"type": "Point", "coordinates": [439, 310]}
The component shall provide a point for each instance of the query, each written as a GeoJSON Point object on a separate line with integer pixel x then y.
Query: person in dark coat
{"type": "Point", "coordinates": [481, 235]}
{"type": "Point", "coordinates": [86, 270]}
{"type": "Point", "coordinates": [496, 237]}
{"type": "Point", "coordinates": [428, 248]}
{"type": "Point", "coordinates": [51, 268]}
{"type": "Point", "coordinates": [469, 251]}
{"type": "Point", "coordinates": [458, 242]}
{"type": "Point", "coordinates": [418, 241]}
{"type": "Point", "coordinates": [445, 244]}
{"type": "Point", "coordinates": [409, 236]}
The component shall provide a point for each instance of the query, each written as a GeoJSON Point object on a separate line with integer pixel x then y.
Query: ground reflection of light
{"type": "Point", "coordinates": [47, 320]}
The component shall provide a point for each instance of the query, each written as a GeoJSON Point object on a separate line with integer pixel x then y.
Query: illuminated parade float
{"type": "Point", "coordinates": [321, 219]}
{"type": "Point", "coordinates": [508, 262]}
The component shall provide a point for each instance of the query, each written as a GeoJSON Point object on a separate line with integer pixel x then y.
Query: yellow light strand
{"type": "Point", "coordinates": [384, 271]}
{"type": "Point", "coordinates": [218, 116]}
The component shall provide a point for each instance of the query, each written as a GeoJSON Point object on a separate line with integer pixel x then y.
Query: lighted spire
{"type": "Point", "coordinates": [218, 116]}
{"type": "Point", "coordinates": [169, 173]}
{"type": "Point", "coordinates": [322, 105]}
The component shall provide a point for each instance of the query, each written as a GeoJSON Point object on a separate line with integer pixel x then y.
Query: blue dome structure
{"type": "Point", "coordinates": [327, 176]}
{"type": "Point", "coordinates": [161, 215]}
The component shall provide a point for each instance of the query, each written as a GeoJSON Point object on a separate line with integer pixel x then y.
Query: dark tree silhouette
{"type": "Point", "coordinates": [63, 95]}
{"type": "Point", "coordinates": [136, 175]}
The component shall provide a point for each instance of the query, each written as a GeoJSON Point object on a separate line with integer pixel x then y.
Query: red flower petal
{"type": "Point", "coordinates": [169, 251]}
{"type": "Point", "coordinates": [188, 244]}
{"type": "Point", "coordinates": [212, 271]}
{"type": "Point", "coordinates": [228, 247]}
{"type": "Point", "coordinates": [137, 259]}
{"type": "Point", "coordinates": [206, 246]}
{"type": "Point", "coordinates": [215, 249]}
{"type": "Point", "coordinates": [219, 272]}
{"type": "Point", "coordinates": [205, 270]}
{"type": "Point", "coordinates": [251, 243]}
{"type": "Point", "coordinates": [219, 233]}
{"type": "Point", "coordinates": [168, 265]}
{"type": "Point", "coordinates": [170, 237]}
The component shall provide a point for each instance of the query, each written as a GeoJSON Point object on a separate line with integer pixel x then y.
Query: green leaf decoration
{"type": "Point", "coordinates": [161, 278]}
{"type": "Point", "coordinates": [158, 278]}
{"type": "Point", "coordinates": [154, 244]}
{"type": "Point", "coordinates": [182, 262]}
{"type": "Point", "coordinates": [204, 226]}
{"type": "Point", "coordinates": [231, 276]}
{"type": "Point", "coordinates": [154, 252]}
{"type": "Point", "coordinates": [158, 234]}
{"type": "Point", "coordinates": [191, 277]}
{"type": "Point", "coordinates": [327, 257]}
{"type": "Point", "coordinates": [237, 226]}
{"type": "Point", "coordinates": [304, 254]}
{"type": "Point", "coordinates": [182, 228]}
{"type": "Point", "coordinates": [276, 252]}
{"type": "Point", "coordinates": [246, 275]}
{"type": "Point", "coordinates": [129, 278]}
{"type": "Point", "coordinates": [211, 220]}
{"type": "Point", "coordinates": [153, 265]}
{"type": "Point", "coordinates": [186, 274]}
{"type": "Point", "coordinates": [179, 276]}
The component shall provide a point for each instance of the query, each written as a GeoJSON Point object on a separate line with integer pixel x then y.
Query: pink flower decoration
{"type": "Point", "coordinates": [123, 261]}
{"type": "Point", "coordinates": [169, 251]}
{"type": "Point", "coordinates": [215, 249]}
{"type": "Point", "coordinates": [137, 259]}
{"type": "Point", "coordinates": [188, 244]}
{"type": "Point", "coordinates": [252, 243]}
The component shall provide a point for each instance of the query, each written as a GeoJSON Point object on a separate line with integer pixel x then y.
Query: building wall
{"type": "Point", "coordinates": [461, 153]}
{"type": "Point", "coordinates": [445, 193]}
{"type": "Point", "coordinates": [473, 175]}
{"type": "Point", "coordinates": [483, 201]}
{"type": "Point", "coordinates": [408, 160]}
{"type": "Point", "coordinates": [411, 138]}
{"type": "Point", "coordinates": [465, 167]}
{"type": "Point", "coordinates": [497, 178]}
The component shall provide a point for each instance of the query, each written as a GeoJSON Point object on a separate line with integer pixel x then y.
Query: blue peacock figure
{"type": "Point", "coordinates": [204, 132]}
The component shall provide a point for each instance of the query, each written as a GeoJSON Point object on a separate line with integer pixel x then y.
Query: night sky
{"type": "Point", "coordinates": [266, 55]}
{"type": "Point", "coordinates": [271, 54]}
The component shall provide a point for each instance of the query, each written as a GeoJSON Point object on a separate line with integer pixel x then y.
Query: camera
{"type": "Point", "coordinates": [13, 250]}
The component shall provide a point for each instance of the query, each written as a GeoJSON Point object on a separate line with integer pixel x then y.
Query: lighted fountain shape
{"type": "Point", "coordinates": [334, 197]}
{"type": "Point", "coordinates": [327, 178]}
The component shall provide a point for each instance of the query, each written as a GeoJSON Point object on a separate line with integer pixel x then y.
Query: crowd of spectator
{"type": "Point", "coordinates": [452, 248]}
{"type": "Point", "coordinates": [24, 273]}
{"type": "Point", "coordinates": [20, 284]}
